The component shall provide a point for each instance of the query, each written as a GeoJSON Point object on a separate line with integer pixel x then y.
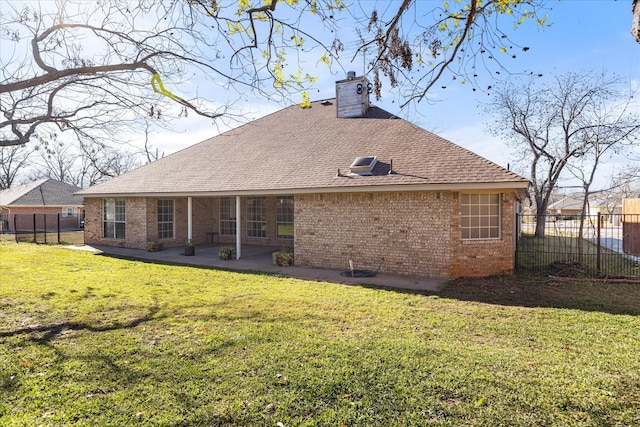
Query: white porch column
{"type": "Point", "coordinates": [238, 227]}
{"type": "Point", "coordinates": [189, 218]}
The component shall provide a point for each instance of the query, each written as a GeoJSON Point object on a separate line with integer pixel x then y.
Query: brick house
{"type": "Point", "coordinates": [46, 198]}
{"type": "Point", "coordinates": [341, 180]}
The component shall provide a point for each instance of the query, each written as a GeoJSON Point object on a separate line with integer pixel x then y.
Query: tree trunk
{"type": "Point", "coordinates": [581, 228]}
{"type": "Point", "coordinates": [541, 223]}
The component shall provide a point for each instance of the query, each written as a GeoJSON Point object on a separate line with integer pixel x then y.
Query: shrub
{"type": "Point", "coordinates": [153, 245]}
{"type": "Point", "coordinates": [226, 252]}
{"type": "Point", "coordinates": [283, 257]}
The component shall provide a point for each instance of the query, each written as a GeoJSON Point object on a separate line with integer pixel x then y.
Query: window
{"type": "Point", "coordinates": [228, 216]}
{"type": "Point", "coordinates": [165, 219]}
{"type": "Point", "coordinates": [256, 217]}
{"type": "Point", "coordinates": [114, 218]}
{"type": "Point", "coordinates": [480, 216]}
{"type": "Point", "coordinates": [66, 212]}
{"type": "Point", "coordinates": [284, 217]}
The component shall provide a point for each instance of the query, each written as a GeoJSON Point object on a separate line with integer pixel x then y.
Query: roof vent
{"type": "Point", "coordinates": [363, 165]}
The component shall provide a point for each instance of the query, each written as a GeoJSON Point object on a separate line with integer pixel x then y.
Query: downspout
{"type": "Point", "coordinates": [238, 222]}
{"type": "Point", "coordinates": [189, 218]}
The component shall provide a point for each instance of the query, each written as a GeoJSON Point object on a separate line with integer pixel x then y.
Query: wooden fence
{"type": "Point", "coordinates": [631, 226]}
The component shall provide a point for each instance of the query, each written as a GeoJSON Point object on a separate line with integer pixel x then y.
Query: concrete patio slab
{"type": "Point", "coordinates": [258, 259]}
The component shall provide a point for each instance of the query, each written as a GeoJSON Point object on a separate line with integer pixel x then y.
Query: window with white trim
{"type": "Point", "coordinates": [228, 216]}
{"type": "Point", "coordinates": [114, 219]}
{"type": "Point", "coordinates": [165, 219]}
{"type": "Point", "coordinates": [67, 212]}
{"type": "Point", "coordinates": [256, 217]}
{"type": "Point", "coordinates": [284, 217]}
{"type": "Point", "coordinates": [481, 216]}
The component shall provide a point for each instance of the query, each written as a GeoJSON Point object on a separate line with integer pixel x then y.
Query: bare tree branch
{"type": "Point", "coordinates": [567, 125]}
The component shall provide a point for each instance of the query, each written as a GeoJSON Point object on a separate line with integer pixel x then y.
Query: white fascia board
{"type": "Point", "coordinates": [493, 186]}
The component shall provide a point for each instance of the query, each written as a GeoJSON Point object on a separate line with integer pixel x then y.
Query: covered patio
{"type": "Point", "coordinates": [258, 259]}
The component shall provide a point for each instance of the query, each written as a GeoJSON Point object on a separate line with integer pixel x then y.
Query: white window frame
{"type": "Point", "coordinates": [284, 216]}
{"type": "Point", "coordinates": [68, 212]}
{"type": "Point", "coordinates": [481, 216]}
{"type": "Point", "coordinates": [228, 216]}
{"type": "Point", "coordinates": [257, 217]}
{"type": "Point", "coordinates": [114, 219]}
{"type": "Point", "coordinates": [166, 220]}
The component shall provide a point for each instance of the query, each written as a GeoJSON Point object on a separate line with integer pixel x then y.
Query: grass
{"type": "Point", "coordinates": [93, 340]}
{"type": "Point", "coordinates": [553, 252]}
{"type": "Point", "coordinates": [51, 237]}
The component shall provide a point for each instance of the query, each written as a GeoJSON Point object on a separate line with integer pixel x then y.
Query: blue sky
{"type": "Point", "coordinates": [582, 35]}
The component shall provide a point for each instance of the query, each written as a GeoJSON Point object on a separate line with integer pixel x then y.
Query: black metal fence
{"type": "Point", "coordinates": [589, 245]}
{"type": "Point", "coordinates": [45, 228]}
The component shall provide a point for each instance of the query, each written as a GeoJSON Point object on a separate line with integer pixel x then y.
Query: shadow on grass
{"type": "Point", "coordinates": [517, 290]}
{"type": "Point", "coordinates": [538, 291]}
{"type": "Point", "coordinates": [185, 264]}
{"type": "Point", "coordinates": [53, 330]}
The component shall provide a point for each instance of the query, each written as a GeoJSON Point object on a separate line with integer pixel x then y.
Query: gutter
{"type": "Point", "coordinates": [324, 190]}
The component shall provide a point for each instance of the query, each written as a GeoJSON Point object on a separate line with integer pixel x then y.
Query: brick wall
{"type": "Point", "coordinates": [271, 228]}
{"type": "Point", "coordinates": [142, 223]}
{"type": "Point", "coordinates": [481, 258]}
{"type": "Point", "coordinates": [135, 229]}
{"type": "Point", "coordinates": [406, 233]}
{"type": "Point", "coordinates": [204, 220]}
{"type": "Point", "coordinates": [412, 233]}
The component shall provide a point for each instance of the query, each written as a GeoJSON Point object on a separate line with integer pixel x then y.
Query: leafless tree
{"type": "Point", "coordinates": [573, 120]}
{"type": "Point", "coordinates": [612, 129]}
{"type": "Point", "coordinates": [150, 154]}
{"type": "Point", "coordinates": [56, 161]}
{"type": "Point", "coordinates": [13, 161]}
{"type": "Point", "coordinates": [81, 166]}
{"type": "Point", "coordinates": [627, 181]}
{"type": "Point", "coordinates": [624, 185]}
{"type": "Point", "coordinates": [106, 163]}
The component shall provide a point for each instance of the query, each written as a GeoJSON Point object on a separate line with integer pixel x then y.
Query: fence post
{"type": "Point", "coordinates": [598, 245]}
{"type": "Point", "coordinates": [35, 235]}
{"type": "Point", "coordinates": [58, 227]}
{"type": "Point", "coordinates": [15, 228]}
{"type": "Point", "coordinates": [517, 240]}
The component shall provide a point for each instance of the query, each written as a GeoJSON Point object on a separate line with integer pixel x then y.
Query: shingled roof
{"type": "Point", "coordinates": [43, 192]}
{"type": "Point", "coordinates": [298, 150]}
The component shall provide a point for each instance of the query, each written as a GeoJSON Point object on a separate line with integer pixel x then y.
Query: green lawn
{"type": "Point", "coordinates": [552, 252]}
{"type": "Point", "coordinates": [51, 237]}
{"type": "Point", "coordinates": [93, 340]}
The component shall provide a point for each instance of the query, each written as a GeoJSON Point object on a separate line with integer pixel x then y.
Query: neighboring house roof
{"type": "Point", "coordinates": [573, 202]}
{"type": "Point", "coordinates": [298, 150]}
{"type": "Point", "coordinates": [570, 202]}
{"type": "Point", "coordinates": [43, 192]}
